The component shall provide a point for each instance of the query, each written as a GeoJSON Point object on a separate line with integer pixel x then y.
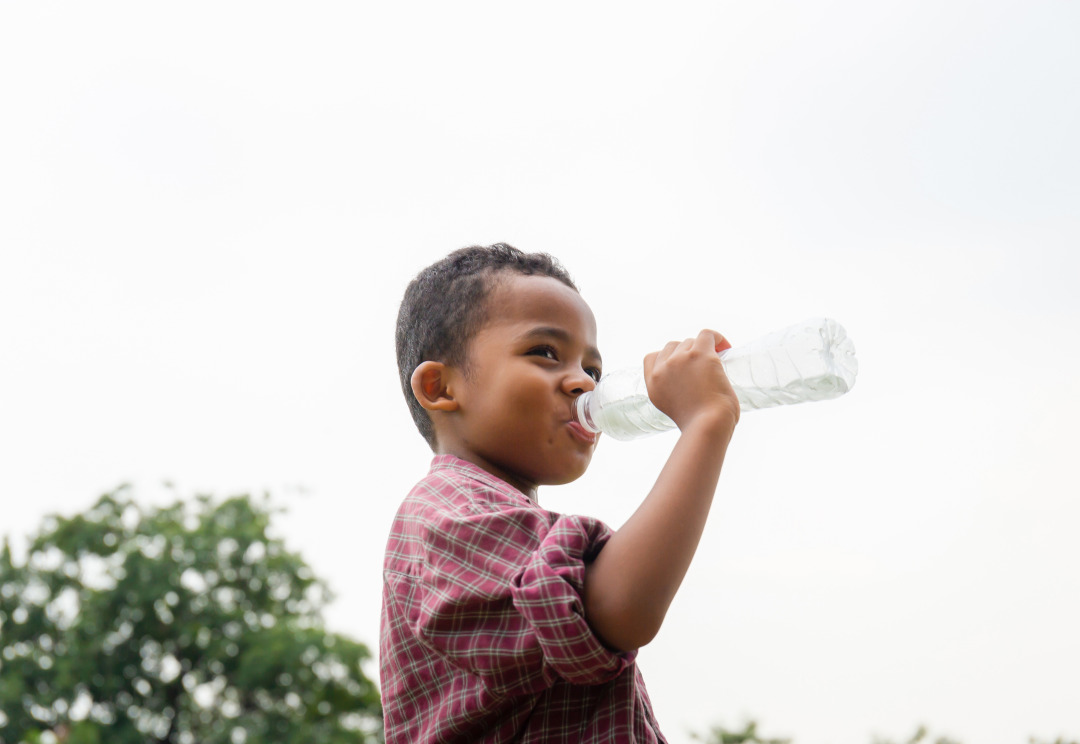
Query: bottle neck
{"type": "Point", "coordinates": [583, 412]}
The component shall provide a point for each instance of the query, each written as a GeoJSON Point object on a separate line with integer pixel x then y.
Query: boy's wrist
{"type": "Point", "coordinates": [715, 424]}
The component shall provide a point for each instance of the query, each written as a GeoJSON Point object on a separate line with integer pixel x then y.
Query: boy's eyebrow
{"type": "Point", "coordinates": [562, 335]}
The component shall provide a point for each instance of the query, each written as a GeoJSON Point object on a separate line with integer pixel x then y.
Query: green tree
{"type": "Point", "coordinates": [188, 624]}
{"type": "Point", "coordinates": [918, 737]}
{"type": "Point", "coordinates": [748, 735]}
{"type": "Point", "coordinates": [921, 733]}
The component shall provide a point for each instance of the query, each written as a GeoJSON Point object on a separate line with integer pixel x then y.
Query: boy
{"type": "Point", "coordinates": [503, 622]}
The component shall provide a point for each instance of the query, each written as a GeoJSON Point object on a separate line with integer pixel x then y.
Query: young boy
{"type": "Point", "coordinates": [503, 622]}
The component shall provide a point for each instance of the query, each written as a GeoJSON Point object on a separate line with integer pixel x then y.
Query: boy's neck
{"type": "Point", "coordinates": [462, 453]}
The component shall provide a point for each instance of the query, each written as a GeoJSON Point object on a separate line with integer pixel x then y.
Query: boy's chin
{"type": "Point", "coordinates": [568, 476]}
{"type": "Point", "coordinates": [562, 481]}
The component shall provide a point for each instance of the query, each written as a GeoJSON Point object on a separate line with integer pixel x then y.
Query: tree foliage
{"type": "Point", "coordinates": [919, 737]}
{"type": "Point", "coordinates": [185, 624]}
{"type": "Point", "coordinates": [749, 735]}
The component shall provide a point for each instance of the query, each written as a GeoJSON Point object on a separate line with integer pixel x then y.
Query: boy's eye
{"type": "Point", "coordinates": [549, 352]}
{"type": "Point", "coordinates": [544, 351]}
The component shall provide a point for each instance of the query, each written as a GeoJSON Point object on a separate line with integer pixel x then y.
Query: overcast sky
{"type": "Point", "coordinates": [209, 211]}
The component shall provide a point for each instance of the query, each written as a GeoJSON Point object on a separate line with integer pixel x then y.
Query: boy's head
{"type": "Point", "coordinates": [445, 306]}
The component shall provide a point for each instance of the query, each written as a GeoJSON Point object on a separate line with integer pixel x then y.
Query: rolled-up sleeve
{"type": "Point", "coordinates": [499, 595]}
{"type": "Point", "coordinates": [548, 595]}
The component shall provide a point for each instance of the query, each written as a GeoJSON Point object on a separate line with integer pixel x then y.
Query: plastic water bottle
{"type": "Point", "coordinates": [810, 361]}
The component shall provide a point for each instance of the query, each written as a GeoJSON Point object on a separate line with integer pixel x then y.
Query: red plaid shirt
{"type": "Point", "coordinates": [483, 633]}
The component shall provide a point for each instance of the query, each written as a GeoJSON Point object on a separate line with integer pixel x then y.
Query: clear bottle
{"type": "Point", "coordinates": [811, 361]}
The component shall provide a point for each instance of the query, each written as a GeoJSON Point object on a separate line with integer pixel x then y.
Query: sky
{"type": "Point", "coordinates": [209, 212]}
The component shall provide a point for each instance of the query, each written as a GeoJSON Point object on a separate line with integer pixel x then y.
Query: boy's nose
{"type": "Point", "coordinates": [581, 382]}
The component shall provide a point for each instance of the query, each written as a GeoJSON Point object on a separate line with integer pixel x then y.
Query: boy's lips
{"type": "Point", "coordinates": [581, 433]}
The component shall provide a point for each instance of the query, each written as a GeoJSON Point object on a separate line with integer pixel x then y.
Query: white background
{"type": "Point", "coordinates": [209, 211]}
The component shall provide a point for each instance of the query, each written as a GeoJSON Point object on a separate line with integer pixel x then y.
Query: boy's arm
{"type": "Point", "coordinates": [630, 585]}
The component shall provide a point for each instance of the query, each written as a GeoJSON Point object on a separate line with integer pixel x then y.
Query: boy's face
{"type": "Point", "coordinates": [534, 356]}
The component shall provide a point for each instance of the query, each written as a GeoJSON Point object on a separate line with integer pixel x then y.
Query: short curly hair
{"type": "Point", "coordinates": [446, 305]}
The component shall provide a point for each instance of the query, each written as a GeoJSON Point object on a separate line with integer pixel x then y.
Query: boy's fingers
{"type": "Point", "coordinates": [707, 339]}
{"type": "Point", "coordinates": [722, 344]}
{"type": "Point", "coordinates": [667, 351]}
{"type": "Point", "coordinates": [710, 339]}
{"type": "Point", "coordinates": [649, 362]}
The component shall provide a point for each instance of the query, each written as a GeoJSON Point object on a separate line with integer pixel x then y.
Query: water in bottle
{"type": "Point", "coordinates": [810, 361]}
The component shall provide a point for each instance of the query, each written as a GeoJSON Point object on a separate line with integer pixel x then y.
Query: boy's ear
{"type": "Point", "coordinates": [429, 385]}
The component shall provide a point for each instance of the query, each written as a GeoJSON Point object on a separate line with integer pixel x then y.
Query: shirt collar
{"type": "Point", "coordinates": [453, 462]}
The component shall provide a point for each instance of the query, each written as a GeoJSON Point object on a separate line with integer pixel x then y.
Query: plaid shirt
{"type": "Point", "coordinates": [483, 633]}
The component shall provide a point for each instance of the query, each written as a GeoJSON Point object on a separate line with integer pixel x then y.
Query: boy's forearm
{"type": "Point", "coordinates": [630, 585]}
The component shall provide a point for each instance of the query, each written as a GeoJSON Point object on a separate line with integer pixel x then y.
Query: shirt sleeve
{"type": "Point", "coordinates": [501, 598]}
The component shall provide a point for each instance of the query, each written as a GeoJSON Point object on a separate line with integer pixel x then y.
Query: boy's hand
{"type": "Point", "coordinates": [687, 382]}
